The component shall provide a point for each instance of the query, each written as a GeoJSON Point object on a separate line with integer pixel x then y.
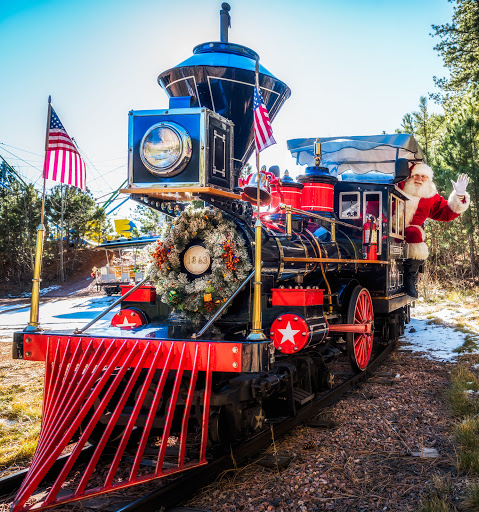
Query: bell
{"type": "Point", "coordinates": [250, 190]}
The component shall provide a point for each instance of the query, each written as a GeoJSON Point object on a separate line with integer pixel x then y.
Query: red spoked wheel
{"type": "Point", "coordinates": [360, 311]}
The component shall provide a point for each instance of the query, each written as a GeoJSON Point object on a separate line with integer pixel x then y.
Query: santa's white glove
{"type": "Point", "coordinates": [461, 184]}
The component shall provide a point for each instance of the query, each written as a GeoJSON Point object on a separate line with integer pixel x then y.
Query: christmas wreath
{"type": "Point", "coordinates": [199, 297]}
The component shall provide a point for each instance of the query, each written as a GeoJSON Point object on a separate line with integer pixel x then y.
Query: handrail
{"type": "Point", "coordinates": [320, 217]}
{"type": "Point", "coordinates": [109, 308]}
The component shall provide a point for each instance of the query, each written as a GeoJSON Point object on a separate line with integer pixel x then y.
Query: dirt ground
{"type": "Point", "coordinates": [17, 371]}
{"type": "Point", "coordinates": [390, 446]}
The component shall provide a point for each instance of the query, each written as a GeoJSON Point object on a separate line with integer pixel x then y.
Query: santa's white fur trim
{"type": "Point", "coordinates": [421, 230]}
{"type": "Point", "coordinates": [456, 205]}
{"type": "Point", "coordinates": [411, 207]}
{"type": "Point", "coordinates": [423, 169]}
{"type": "Point", "coordinates": [417, 251]}
{"type": "Point", "coordinates": [409, 210]}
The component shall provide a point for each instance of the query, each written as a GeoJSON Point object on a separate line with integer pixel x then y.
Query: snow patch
{"type": "Point", "coordinates": [61, 314]}
{"type": "Point", "coordinates": [436, 340]}
{"type": "Point", "coordinates": [7, 423]}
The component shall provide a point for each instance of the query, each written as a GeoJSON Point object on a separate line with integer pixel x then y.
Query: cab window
{"type": "Point", "coordinates": [397, 217]}
{"type": "Point", "coordinates": [373, 206]}
{"type": "Point", "coordinates": [349, 205]}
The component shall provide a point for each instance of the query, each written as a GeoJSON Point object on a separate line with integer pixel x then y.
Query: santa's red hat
{"type": "Point", "coordinates": [421, 168]}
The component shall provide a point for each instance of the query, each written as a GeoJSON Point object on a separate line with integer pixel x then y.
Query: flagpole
{"type": "Point", "coordinates": [33, 325]}
{"type": "Point", "coordinates": [256, 333]}
{"type": "Point", "coordinates": [61, 235]}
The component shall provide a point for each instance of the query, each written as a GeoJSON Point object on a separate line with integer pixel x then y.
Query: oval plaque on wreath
{"type": "Point", "coordinates": [214, 248]}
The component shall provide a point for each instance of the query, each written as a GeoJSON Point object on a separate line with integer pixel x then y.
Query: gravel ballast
{"type": "Point", "coordinates": [390, 448]}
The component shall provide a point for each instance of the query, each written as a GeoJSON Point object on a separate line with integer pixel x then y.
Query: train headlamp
{"type": "Point", "coordinates": [166, 149]}
{"type": "Point", "coordinates": [196, 260]}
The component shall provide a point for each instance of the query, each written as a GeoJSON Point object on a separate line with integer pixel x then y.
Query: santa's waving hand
{"type": "Point", "coordinates": [461, 184]}
{"type": "Point", "coordinates": [423, 203]}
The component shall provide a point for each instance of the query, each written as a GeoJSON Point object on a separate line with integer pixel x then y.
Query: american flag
{"type": "Point", "coordinates": [263, 133]}
{"type": "Point", "coordinates": [63, 163]}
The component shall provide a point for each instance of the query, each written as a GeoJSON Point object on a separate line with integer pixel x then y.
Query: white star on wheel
{"type": "Point", "coordinates": [288, 334]}
{"type": "Point", "coordinates": [126, 323]}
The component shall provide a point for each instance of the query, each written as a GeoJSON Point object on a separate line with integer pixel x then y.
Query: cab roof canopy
{"type": "Point", "coordinates": [358, 154]}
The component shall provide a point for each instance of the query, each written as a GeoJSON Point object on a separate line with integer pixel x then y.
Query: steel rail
{"type": "Point", "coordinates": [11, 483]}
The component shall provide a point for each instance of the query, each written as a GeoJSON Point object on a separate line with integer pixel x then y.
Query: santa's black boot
{"type": "Point", "coordinates": [411, 276]}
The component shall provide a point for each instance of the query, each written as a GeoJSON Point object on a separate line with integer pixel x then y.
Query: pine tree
{"type": "Point", "coordinates": [20, 210]}
{"type": "Point", "coordinates": [426, 127]}
{"type": "Point", "coordinates": [459, 47]}
{"type": "Point", "coordinates": [72, 215]}
{"type": "Point", "coordinates": [407, 125]}
{"type": "Point", "coordinates": [460, 154]}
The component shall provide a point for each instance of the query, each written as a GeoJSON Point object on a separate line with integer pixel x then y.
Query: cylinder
{"type": "Point", "coordinates": [318, 197]}
{"type": "Point", "coordinates": [304, 246]}
{"type": "Point", "coordinates": [277, 245]}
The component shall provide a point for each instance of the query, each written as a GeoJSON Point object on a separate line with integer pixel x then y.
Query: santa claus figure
{"type": "Point", "coordinates": [423, 203]}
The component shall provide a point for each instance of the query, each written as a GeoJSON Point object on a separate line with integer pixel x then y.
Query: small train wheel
{"type": "Point", "coordinates": [359, 346]}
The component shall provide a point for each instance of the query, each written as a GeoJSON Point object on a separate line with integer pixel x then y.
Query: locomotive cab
{"type": "Point", "coordinates": [365, 196]}
{"type": "Point", "coordinates": [360, 201]}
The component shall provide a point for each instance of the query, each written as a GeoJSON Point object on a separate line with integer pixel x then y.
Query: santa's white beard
{"type": "Point", "coordinates": [424, 189]}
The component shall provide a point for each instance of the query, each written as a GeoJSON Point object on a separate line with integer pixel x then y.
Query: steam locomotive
{"type": "Point", "coordinates": [212, 351]}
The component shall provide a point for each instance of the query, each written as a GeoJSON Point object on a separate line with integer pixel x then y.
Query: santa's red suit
{"type": "Point", "coordinates": [423, 203]}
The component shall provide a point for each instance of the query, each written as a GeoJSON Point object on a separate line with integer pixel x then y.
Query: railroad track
{"type": "Point", "coordinates": [180, 489]}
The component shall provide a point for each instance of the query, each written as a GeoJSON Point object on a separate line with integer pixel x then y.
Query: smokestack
{"type": "Point", "coordinates": [221, 77]}
{"type": "Point", "coordinates": [225, 22]}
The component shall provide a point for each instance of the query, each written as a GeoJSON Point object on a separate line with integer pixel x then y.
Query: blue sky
{"type": "Point", "coordinates": [354, 68]}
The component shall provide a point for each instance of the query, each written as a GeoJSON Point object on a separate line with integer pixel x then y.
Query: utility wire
{"type": "Point", "coordinates": [20, 149]}
{"type": "Point", "coordinates": [102, 196]}
{"type": "Point", "coordinates": [92, 165]}
{"type": "Point", "coordinates": [21, 159]}
{"type": "Point", "coordinates": [109, 172]}
{"type": "Point", "coordinates": [111, 159]}
{"type": "Point", "coordinates": [94, 180]}
{"type": "Point", "coordinates": [42, 156]}
{"type": "Point", "coordinates": [119, 198]}
{"type": "Point", "coordinates": [28, 163]}
{"type": "Point", "coordinates": [13, 171]}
